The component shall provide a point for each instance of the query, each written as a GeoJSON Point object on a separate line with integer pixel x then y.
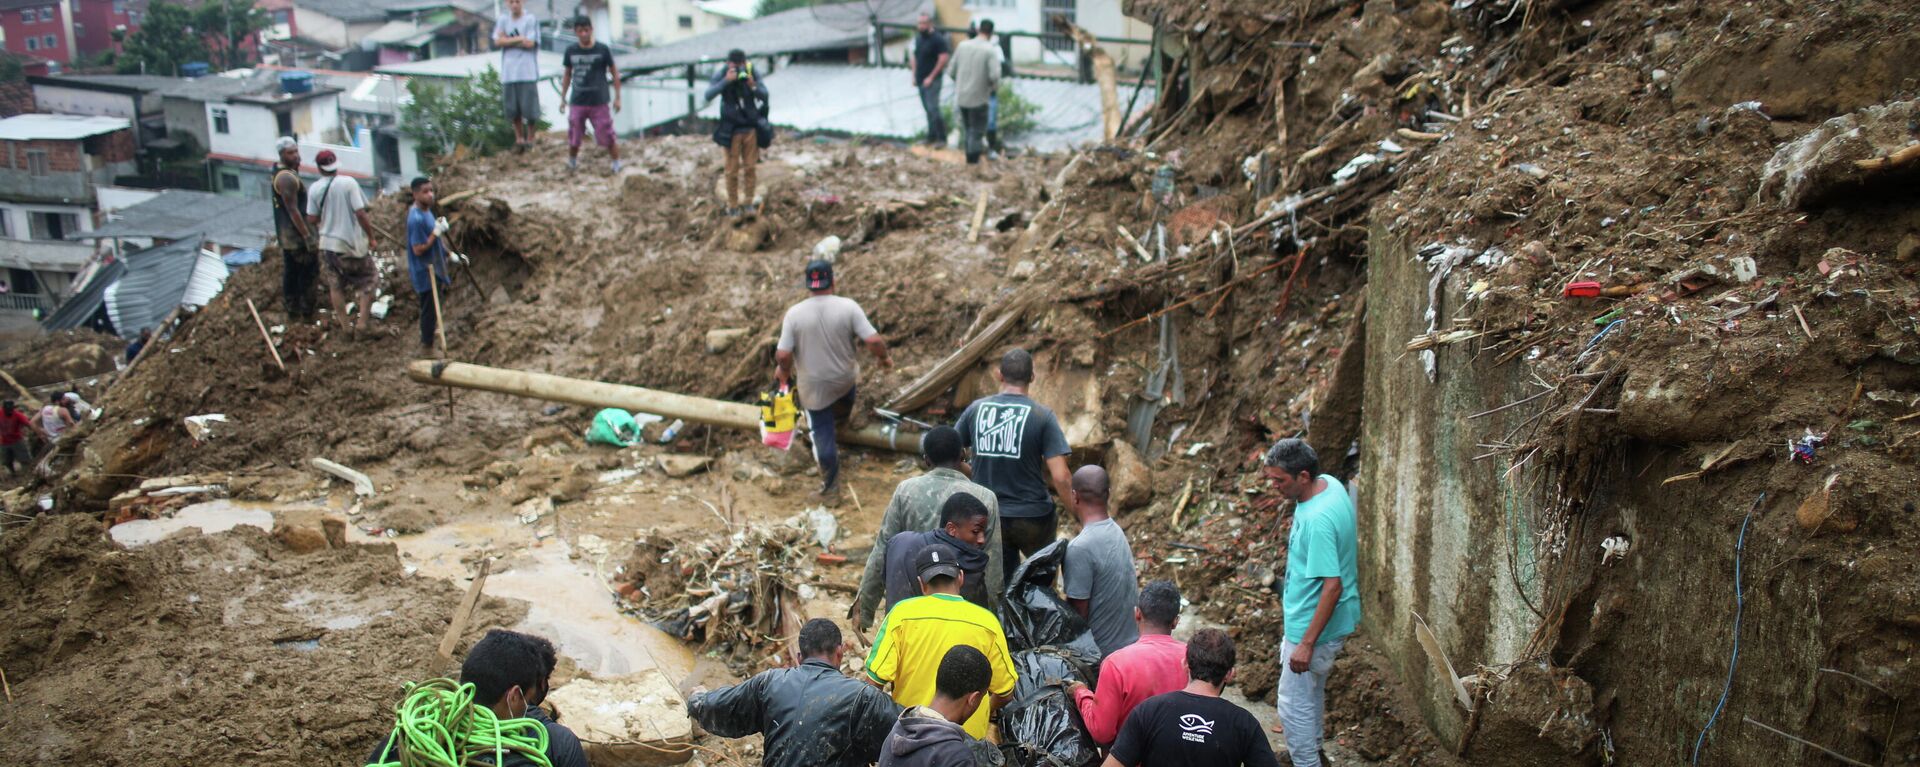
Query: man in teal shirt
{"type": "Point", "coordinates": [1322, 598]}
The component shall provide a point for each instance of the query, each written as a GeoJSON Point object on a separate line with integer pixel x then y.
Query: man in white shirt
{"type": "Point", "coordinates": [517, 36]}
{"type": "Point", "coordinates": [337, 209]}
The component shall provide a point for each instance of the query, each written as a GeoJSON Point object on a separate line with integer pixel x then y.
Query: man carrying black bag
{"type": "Point", "coordinates": [744, 129]}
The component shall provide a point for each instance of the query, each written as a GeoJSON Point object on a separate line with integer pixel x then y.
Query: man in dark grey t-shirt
{"type": "Point", "coordinates": [1018, 451]}
{"type": "Point", "coordinates": [1098, 577]}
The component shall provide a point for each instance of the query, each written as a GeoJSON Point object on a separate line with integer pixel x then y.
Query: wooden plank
{"type": "Point", "coordinates": [930, 384]}
{"type": "Point", "coordinates": [464, 613]}
{"type": "Point", "coordinates": [979, 217]}
{"type": "Point", "coordinates": [264, 335]}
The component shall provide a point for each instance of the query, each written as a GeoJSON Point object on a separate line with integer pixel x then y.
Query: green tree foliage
{"type": "Point", "coordinates": [444, 117]}
{"type": "Point", "coordinates": [164, 42]}
{"type": "Point", "coordinates": [225, 25]}
{"type": "Point", "coordinates": [770, 7]}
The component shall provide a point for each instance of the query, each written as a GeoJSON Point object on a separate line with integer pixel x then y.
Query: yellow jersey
{"type": "Point", "coordinates": [917, 635]}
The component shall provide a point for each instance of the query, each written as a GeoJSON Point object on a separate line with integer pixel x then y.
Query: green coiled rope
{"type": "Point", "coordinates": [439, 726]}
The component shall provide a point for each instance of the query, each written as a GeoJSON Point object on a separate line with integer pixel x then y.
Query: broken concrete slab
{"type": "Point", "coordinates": [676, 465]}
{"type": "Point", "coordinates": [1844, 154]}
{"type": "Point", "coordinates": [634, 719]}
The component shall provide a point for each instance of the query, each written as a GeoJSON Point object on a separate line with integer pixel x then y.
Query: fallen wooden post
{"type": "Point", "coordinates": [464, 613]}
{"type": "Point", "coordinates": [597, 394]}
{"type": "Point", "coordinates": [930, 384]}
{"type": "Point", "coordinates": [1905, 155]}
{"type": "Point", "coordinates": [979, 217]}
{"type": "Point", "coordinates": [264, 335]}
{"type": "Point", "coordinates": [1105, 74]}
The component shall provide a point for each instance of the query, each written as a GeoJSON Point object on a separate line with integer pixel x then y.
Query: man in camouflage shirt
{"type": "Point", "coordinates": [916, 507]}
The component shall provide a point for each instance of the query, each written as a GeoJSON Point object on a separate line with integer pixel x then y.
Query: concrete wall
{"type": "Point", "coordinates": [1434, 523]}
{"type": "Point", "coordinates": [187, 118]}
{"type": "Point", "coordinates": [320, 27]}
{"type": "Point", "coordinates": [83, 101]}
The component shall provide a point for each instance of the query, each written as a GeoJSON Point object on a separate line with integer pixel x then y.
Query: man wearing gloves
{"type": "Point", "coordinates": [426, 258]}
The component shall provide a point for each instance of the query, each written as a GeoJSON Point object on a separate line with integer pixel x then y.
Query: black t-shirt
{"type": "Point", "coordinates": [926, 53]}
{"type": "Point", "coordinates": [1181, 728]}
{"type": "Point", "coordinates": [590, 67]}
{"type": "Point", "coordinates": [1012, 437]}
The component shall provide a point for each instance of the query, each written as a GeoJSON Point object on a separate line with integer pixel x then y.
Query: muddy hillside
{"type": "Point", "coordinates": [1606, 312]}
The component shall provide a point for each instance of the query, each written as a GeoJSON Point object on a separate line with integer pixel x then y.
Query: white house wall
{"type": "Point", "coordinates": [320, 27]}
{"type": "Point", "coordinates": [251, 130]}
{"type": "Point", "coordinates": [78, 101]}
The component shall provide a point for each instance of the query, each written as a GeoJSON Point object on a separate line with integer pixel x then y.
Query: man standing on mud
{"type": "Point", "coordinates": [1098, 578]}
{"type": "Point", "coordinates": [299, 255]}
{"type": "Point", "coordinates": [817, 340]}
{"type": "Point", "coordinates": [931, 50]}
{"type": "Point", "coordinates": [976, 75]}
{"type": "Point", "coordinates": [1018, 451]}
{"type": "Point", "coordinates": [812, 715]}
{"type": "Point", "coordinates": [591, 76]}
{"type": "Point", "coordinates": [517, 35]}
{"type": "Point", "coordinates": [743, 117]}
{"type": "Point", "coordinates": [1322, 597]}
{"type": "Point", "coordinates": [426, 258]}
{"type": "Point", "coordinates": [346, 240]}
{"type": "Point", "coordinates": [918, 505]}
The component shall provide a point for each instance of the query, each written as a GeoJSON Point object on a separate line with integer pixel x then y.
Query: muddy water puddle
{"type": "Point", "coordinates": [569, 602]}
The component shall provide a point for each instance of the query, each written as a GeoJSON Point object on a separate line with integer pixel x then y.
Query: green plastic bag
{"type": "Point", "coordinates": [615, 427]}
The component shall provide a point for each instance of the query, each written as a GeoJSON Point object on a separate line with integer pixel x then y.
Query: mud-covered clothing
{"type": "Point", "coordinates": [903, 582]}
{"type": "Point", "coordinates": [1012, 437]}
{"type": "Point", "coordinates": [1181, 728]}
{"type": "Point", "coordinates": [563, 747]}
{"type": "Point", "coordinates": [916, 505]}
{"type": "Point", "coordinates": [811, 714]}
{"type": "Point", "coordinates": [924, 738]}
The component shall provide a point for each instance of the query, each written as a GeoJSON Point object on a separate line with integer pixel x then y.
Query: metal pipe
{"type": "Point", "coordinates": [712, 412]}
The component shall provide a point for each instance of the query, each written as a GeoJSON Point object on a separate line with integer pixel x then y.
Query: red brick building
{"type": "Point", "coordinates": [96, 21]}
{"type": "Point", "coordinates": [38, 28]}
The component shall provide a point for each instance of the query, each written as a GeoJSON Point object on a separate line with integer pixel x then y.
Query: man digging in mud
{"type": "Point", "coordinates": [426, 259]}
{"type": "Point", "coordinates": [817, 339]}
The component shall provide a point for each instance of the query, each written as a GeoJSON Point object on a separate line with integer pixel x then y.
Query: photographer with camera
{"type": "Point", "coordinates": [743, 129]}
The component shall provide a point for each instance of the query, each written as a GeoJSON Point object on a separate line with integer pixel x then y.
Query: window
{"type": "Point", "coordinates": [1050, 9]}
{"type": "Point", "coordinates": [229, 181]}
{"type": "Point", "coordinates": [284, 121]}
{"type": "Point", "coordinates": [27, 16]}
{"type": "Point", "coordinates": [119, 7]}
{"type": "Point", "coordinates": [47, 43]}
{"type": "Point", "coordinates": [686, 22]}
{"type": "Point", "coordinates": [33, 43]}
{"type": "Point", "coordinates": [37, 162]}
{"type": "Point", "coordinates": [6, 223]}
{"type": "Point", "coordinates": [52, 226]}
{"type": "Point", "coordinates": [46, 14]}
{"type": "Point", "coordinates": [220, 120]}
{"type": "Point", "coordinates": [629, 14]}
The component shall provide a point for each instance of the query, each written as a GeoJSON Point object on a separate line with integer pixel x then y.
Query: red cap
{"type": "Point", "coordinates": [326, 160]}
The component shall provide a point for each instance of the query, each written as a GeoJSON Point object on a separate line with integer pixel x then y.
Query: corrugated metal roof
{"type": "Point", "coordinates": [881, 101]}
{"type": "Point", "coordinates": [30, 127]}
{"type": "Point", "coordinates": [471, 64]}
{"type": "Point", "coordinates": [81, 306]}
{"type": "Point", "coordinates": [155, 281]}
{"type": "Point", "coordinates": [180, 214]}
{"type": "Point", "coordinates": [813, 28]}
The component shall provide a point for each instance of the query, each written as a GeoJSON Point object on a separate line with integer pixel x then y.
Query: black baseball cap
{"type": "Point", "coordinates": [819, 275]}
{"type": "Point", "coordinates": [936, 560]}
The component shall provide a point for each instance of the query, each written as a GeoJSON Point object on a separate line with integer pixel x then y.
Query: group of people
{"type": "Point", "coordinates": [325, 231]}
{"type": "Point", "coordinates": [950, 540]}
{"type": "Point", "coordinates": [50, 424]}
{"type": "Point", "coordinates": [975, 68]}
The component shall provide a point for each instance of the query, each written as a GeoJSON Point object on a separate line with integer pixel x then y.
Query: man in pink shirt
{"type": "Point", "coordinates": [1156, 663]}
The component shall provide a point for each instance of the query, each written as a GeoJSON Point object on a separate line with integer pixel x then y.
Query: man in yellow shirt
{"type": "Point", "coordinates": [920, 631]}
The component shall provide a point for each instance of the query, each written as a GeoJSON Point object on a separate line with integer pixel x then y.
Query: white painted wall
{"type": "Point", "coordinates": [251, 129]}
{"type": "Point", "coordinates": [77, 101]}
{"type": "Point", "coordinates": [320, 27]}
{"type": "Point", "coordinates": [354, 161]}
{"type": "Point", "coordinates": [659, 21]}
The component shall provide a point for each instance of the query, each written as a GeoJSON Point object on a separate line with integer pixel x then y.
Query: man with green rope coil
{"type": "Point", "coordinates": [491, 716]}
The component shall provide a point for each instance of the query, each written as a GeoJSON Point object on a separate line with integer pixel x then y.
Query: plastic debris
{"type": "Point", "coordinates": [1806, 448]}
